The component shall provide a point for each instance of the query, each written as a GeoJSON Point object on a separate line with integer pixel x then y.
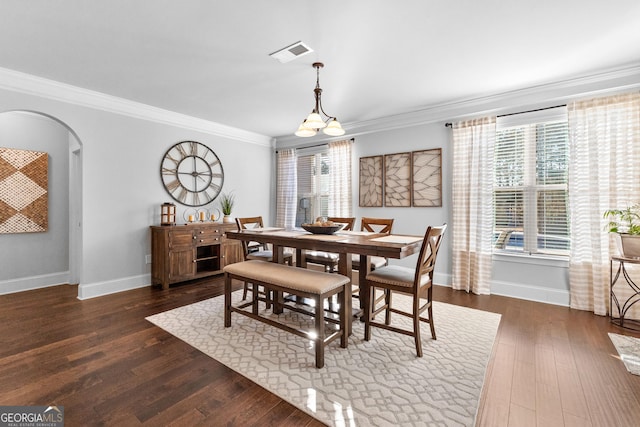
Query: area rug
{"type": "Point", "coordinates": [375, 383]}
{"type": "Point", "coordinates": [629, 350]}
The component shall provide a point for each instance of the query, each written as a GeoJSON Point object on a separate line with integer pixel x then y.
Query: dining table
{"type": "Point", "coordinates": [344, 243]}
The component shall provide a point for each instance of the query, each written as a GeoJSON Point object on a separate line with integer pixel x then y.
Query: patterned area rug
{"type": "Point", "coordinates": [375, 383]}
{"type": "Point", "coordinates": [629, 350]}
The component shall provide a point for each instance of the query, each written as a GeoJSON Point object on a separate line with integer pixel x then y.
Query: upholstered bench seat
{"type": "Point", "coordinates": [302, 282]}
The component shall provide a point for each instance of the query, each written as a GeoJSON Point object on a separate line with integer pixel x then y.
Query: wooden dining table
{"type": "Point", "coordinates": [344, 243]}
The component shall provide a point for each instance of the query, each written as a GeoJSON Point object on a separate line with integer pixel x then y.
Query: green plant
{"type": "Point", "coordinates": [624, 220]}
{"type": "Point", "coordinates": [226, 202]}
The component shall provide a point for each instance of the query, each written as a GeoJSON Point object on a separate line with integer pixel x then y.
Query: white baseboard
{"type": "Point", "coordinates": [517, 290]}
{"type": "Point", "coordinates": [98, 289]}
{"type": "Point", "coordinates": [33, 282]}
{"type": "Point", "coordinates": [531, 293]}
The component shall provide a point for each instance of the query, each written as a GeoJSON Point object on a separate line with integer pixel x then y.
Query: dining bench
{"type": "Point", "coordinates": [314, 285]}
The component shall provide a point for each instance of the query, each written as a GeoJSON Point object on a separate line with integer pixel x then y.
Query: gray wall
{"type": "Point", "coordinates": [46, 253]}
{"type": "Point", "coordinates": [121, 187]}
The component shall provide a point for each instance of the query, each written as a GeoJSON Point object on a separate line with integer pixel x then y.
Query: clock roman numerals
{"type": "Point", "coordinates": [192, 173]}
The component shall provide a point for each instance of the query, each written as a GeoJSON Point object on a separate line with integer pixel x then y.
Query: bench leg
{"type": "Point", "coordinates": [227, 300]}
{"type": "Point", "coordinates": [320, 332]}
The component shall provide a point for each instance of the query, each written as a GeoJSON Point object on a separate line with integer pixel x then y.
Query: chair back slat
{"type": "Point", "coordinates": [347, 221]}
{"type": "Point", "coordinates": [428, 253]}
{"type": "Point", "coordinates": [377, 225]}
{"type": "Point", "coordinates": [248, 223]}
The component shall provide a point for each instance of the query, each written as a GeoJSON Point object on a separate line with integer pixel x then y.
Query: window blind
{"type": "Point", "coordinates": [530, 187]}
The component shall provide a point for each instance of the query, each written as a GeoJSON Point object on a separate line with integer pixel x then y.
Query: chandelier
{"type": "Point", "coordinates": [314, 122]}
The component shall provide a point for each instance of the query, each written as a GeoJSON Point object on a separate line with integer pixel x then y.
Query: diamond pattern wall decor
{"type": "Point", "coordinates": [23, 191]}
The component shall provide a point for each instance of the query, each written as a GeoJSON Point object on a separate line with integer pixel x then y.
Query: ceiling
{"type": "Point", "coordinates": [210, 59]}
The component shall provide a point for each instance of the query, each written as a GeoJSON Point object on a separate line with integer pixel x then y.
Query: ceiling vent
{"type": "Point", "coordinates": [292, 52]}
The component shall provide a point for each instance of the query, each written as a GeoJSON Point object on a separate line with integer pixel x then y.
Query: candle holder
{"type": "Point", "coordinates": [167, 214]}
{"type": "Point", "coordinates": [190, 215]}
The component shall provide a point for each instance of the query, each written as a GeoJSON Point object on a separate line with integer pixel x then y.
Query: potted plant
{"type": "Point", "coordinates": [625, 223]}
{"type": "Point", "coordinates": [226, 204]}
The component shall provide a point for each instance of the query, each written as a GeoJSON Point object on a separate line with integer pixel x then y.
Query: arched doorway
{"type": "Point", "coordinates": [37, 260]}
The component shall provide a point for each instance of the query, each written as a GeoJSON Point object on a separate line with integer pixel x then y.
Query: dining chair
{"type": "Point", "coordinates": [330, 259]}
{"type": "Point", "coordinates": [255, 250]}
{"type": "Point", "coordinates": [374, 225]}
{"type": "Point", "coordinates": [417, 283]}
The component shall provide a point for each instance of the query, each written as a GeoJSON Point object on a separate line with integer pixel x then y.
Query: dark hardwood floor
{"type": "Point", "coordinates": [107, 365]}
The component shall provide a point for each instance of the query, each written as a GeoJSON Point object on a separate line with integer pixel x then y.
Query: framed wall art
{"type": "Point", "coordinates": [23, 191]}
{"type": "Point", "coordinates": [426, 177]}
{"type": "Point", "coordinates": [397, 180]}
{"type": "Point", "coordinates": [370, 184]}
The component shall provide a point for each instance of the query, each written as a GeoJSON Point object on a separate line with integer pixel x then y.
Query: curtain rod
{"type": "Point", "coordinates": [318, 145]}
{"type": "Point", "coordinates": [449, 124]}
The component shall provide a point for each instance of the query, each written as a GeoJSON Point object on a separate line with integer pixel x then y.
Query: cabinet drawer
{"type": "Point", "coordinates": [207, 236]}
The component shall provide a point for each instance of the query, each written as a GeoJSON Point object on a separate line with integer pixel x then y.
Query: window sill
{"type": "Point", "coordinates": [537, 259]}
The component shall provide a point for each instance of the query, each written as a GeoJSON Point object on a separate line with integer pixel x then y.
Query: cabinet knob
{"type": "Point", "coordinates": [201, 240]}
{"type": "Point", "coordinates": [194, 261]}
{"type": "Point", "coordinates": [194, 237]}
{"type": "Point", "coordinates": [201, 232]}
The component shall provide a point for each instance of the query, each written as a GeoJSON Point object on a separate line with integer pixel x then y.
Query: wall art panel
{"type": "Point", "coordinates": [397, 179]}
{"type": "Point", "coordinates": [23, 191]}
{"type": "Point", "coordinates": [371, 176]}
{"type": "Point", "coordinates": [427, 177]}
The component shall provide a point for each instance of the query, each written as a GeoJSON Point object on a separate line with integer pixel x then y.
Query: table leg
{"type": "Point", "coordinates": [344, 268]}
{"type": "Point", "coordinates": [278, 298]}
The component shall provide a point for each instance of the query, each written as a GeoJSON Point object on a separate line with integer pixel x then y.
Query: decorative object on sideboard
{"type": "Point", "coordinates": [192, 173]}
{"type": "Point", "coordinates": [23, 191]}
{"type": "Point", "coordinates": [227, 200]}
{"type": "Point", "coordinates": [371, 178]}
{"type": "Point", "coordinates": [426, 175]}
{"type": "Point", "coordinates": [314, 121]}
{"type": "Point", "coordinates": [397, 180]}
{"type": "Point", "coordinates": [625, 226]}
{"type": "Point", "coordinates": [167, 214]}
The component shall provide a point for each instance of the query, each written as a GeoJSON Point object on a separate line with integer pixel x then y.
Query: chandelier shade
{"type": "Point", "coordinates": [314, 121]}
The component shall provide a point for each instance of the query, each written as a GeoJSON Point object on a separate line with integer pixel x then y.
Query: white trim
{"type": "Point", "coordinates": [541, 96]}
{"type": "Point", "coordinates": [530, 293]}
{"type": "Point", "coordinates": [34, 282]}
{"type": "Point", "coordinates": [98, 289]}
{"type": "Point", "coordinates": [517, 290]}
{"type": "Point", "coordinates": [38, 86]}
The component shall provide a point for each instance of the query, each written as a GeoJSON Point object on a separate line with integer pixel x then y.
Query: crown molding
{"type": "Point", "coordinates": [32, 85]}
{"type": "Point", "coordinates": [613, 80]}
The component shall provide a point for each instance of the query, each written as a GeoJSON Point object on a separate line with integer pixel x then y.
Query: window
{"type": "Point", "coordinates": [313, 187]}
{"type": "Point", "coordinates": [530, 184]}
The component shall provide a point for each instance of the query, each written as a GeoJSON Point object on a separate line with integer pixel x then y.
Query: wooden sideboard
{"type": "Point", "coordinates": [192, 251]}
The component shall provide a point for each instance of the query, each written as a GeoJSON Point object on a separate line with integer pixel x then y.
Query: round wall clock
{"type": "Point", "coordinates": [192, 173]}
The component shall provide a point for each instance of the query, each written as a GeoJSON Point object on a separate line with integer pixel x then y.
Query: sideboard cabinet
{"type": "Point", "coordinates": [192, 251]}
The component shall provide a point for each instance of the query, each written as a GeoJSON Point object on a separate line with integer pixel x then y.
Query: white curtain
{"type": "Point", "coordinates": [340, 198]}
{"type": "Point", "coordinates": [472, 189]}
{"type": "Point", "coordinates": [604, 173]}
{"type": "Point", "coordinates": [286, 188]}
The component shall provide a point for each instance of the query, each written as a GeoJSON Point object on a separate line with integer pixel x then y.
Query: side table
{"type": "Point", "coordinates": [623, 306]}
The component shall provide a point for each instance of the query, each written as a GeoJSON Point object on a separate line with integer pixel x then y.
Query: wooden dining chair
{"type": "Point", "coordinates": [255, 250]}
{"type": "Point", "coordinates": [330, 259]}
{"type": "Point", "coordinates": [374, 225]}
{"type": "Point", "coordinates": [417, 283]}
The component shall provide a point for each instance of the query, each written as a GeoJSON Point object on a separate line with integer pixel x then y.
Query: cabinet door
{"type": "Point", "coordinates": [181, 264]}
{"type": "Point", "coordinates": [231, 251]}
